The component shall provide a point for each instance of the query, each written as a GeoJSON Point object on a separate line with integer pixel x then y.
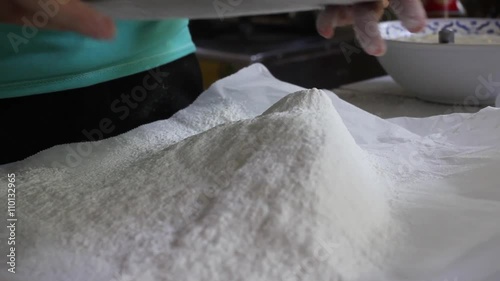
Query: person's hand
{"type": "Point", "coordinates": [68, 15]}
{"type": "Point", "coordinates": [365, 17]}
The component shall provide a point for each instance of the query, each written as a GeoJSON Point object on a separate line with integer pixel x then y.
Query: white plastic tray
{"type": "Point", "coordinates": [205, 9]}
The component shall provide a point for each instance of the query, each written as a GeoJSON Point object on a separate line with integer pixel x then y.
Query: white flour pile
{"type": "Point", "coordinates": [285, 196]}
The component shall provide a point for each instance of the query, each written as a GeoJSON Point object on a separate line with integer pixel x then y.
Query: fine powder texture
{"type": "Point", "coordinates": [284, 196]}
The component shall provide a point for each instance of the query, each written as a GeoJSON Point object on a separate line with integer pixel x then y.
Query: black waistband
{"type": "Point", "coordinates": [34, 123]}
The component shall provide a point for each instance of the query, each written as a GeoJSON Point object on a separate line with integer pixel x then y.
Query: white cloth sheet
{"type": "Point", "coordinates": [445, 168]}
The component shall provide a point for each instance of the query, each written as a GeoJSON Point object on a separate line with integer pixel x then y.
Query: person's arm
{"type": "Point", "coordinates": [365, 17]}
{"type": "Point", "coordinates": [74, 15]}
{"type": "Point", "coordinates": [70, 15]}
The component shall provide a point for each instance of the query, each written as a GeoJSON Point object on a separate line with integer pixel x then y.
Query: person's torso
{"type": "Point", "coordinates": [43, 61]}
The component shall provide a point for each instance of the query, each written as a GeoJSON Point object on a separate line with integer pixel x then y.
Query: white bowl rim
{"type": "Point", "coordinates": [383, 25]}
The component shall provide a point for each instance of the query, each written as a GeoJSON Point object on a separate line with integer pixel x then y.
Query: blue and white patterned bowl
{"type": "Point", "coordinates": [445, 73]}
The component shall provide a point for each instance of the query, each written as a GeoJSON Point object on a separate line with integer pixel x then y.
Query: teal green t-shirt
{"type": "Point", "coordinates": [49, 61]}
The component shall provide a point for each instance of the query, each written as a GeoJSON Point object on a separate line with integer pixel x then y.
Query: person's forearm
{"type": "Point", "coordinates": [71, 15]}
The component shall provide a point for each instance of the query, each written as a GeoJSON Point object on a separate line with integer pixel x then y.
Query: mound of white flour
{"type": "Point", "coordinates": [285, 196]}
